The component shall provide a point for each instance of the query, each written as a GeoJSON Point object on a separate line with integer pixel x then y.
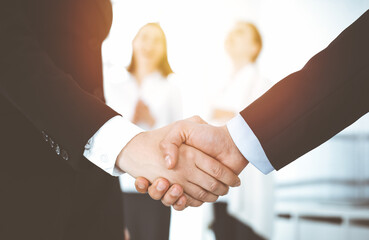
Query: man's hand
{"type": "Point", "coordinates": [169, 196]}
{"type": "Point", "coordinates": [214, 141]}
{"type": "Point", "coordinates": [195, 171]}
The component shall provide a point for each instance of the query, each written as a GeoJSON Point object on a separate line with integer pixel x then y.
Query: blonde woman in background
{"type": "Point", "coordinates": [145, 94]}
{"type": "Point", "coordinates": [245, 213]}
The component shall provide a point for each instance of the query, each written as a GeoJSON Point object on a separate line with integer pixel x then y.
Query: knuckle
{"type": "Point", "coordinates": [188, 153]}
{"type": "Point", "coordinates": [214, 186]}
{"type": "Point", "coordinates": [179, 125]}
{"type": "Point", "coordinates": [165, 203]}
{"type": "Point", "coordinates": [202, 195]}
{"type": "Point", "coordinates": [217, 170]}
{"type": "Point", "coordinates": [196, 118]}
{"type": "Point", "coordinates": [162, 145]}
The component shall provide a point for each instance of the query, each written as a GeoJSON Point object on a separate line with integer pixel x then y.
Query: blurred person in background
{"type": "Point", "coordinates": [245, 213]}
{"type": "Point", "coordinates": [286, 122]}
{"type": "Point", "coordinates": [145, 93]}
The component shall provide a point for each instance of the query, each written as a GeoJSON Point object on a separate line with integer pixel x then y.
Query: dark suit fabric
{"type": "Point", "coordinates": [51, 82]}
{"type": "Point", "coordinates": [310, 106]}
{"type": "Point", "coordinates": [147, 219]}
{"type": "Point", "coordinates": [227, 227]}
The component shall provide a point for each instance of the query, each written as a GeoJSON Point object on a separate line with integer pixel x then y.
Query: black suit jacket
{"type": "Point", "coordinates": [51, 103]}
{"type": "Point", "coordinates": [310, 106]}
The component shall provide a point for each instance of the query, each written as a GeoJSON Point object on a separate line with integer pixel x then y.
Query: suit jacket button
{"type": "Point", "coordinates": [57, 149]}
{"type": "Point", "coordinates": [64, 155]}
{"type": "Point", "coordinates": [45, 136]}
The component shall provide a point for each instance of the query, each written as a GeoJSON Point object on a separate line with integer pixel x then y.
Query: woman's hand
{"type": "Point", "coordinates": [143, 114]}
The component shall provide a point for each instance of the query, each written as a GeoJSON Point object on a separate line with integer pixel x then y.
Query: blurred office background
{"type": "Point", "coordinates": [323, 195]}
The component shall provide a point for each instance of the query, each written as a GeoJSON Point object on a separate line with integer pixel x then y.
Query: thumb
{"type": "Point", "coordinates": [170, 144]}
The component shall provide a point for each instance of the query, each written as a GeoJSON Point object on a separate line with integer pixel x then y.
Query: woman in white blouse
{"type": "Point", "coordinates": [145, 93]}
{"type": "Point", "coordinates": [246, 212]}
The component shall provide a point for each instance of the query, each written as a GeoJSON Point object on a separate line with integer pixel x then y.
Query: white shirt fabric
{"type": "Point", "coordinates": [245, 139]}
{"type": "Point", "coordinates": [241, 89]}
{"type": "Point", "coordinates": [160, 94]}
{"type": "Point", "coordinates": [103, 148]}
{"type": "Point", "coordinates": [250, 203]}
{"type": "Point", "coordinates": [105, 145]}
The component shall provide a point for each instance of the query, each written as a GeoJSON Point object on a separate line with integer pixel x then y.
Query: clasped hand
{"type": "Point", "coordinates": [183, 164]}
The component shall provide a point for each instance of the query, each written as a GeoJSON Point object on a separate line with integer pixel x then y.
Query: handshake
{"type": "Point", "coordinates": [186, 163]}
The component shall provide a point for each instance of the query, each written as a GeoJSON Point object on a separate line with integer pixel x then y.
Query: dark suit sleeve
{"type": "Point", "coordinates": [310, 106]}
{"type": "Point", "coordinates": [47, 96]}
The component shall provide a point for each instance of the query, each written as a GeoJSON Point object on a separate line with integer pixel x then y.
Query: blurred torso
{"type": "Point", "coordinates": [162, 97]}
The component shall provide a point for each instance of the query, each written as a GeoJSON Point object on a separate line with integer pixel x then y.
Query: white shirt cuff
{"type": "Point", "coordinates": [248, 144]}
{"type": "Point", "coordinates": [104, 147]}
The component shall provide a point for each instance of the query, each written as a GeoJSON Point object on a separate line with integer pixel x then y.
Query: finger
{"type": "Point", "coordinates": [208, 184]}
{"type": "Point", "coordinates": [197, 119]}
{"type": "Point", "coordinates": [175, 138]}
{"type": "Point", "coordinates": [158, 188]}
{"type": "Point", "coordinates": [198, 193]}
{"type": "Point", "coordinates": [172, 195]}
{"type": "Point", "coordinates": [142, 184]}
{"type": "Point", "coordinates": [219, 171]}
{"type": "Point", "coordinates": [191, 202]}
{"type": "Point", "coordinates": [181, 203]}
{"type": "Point", "coordinates": [200, 177]}
{"type": "Point", "coordinates": [171, 142]}
{"type": "Point", "coordinates": [127, 236]}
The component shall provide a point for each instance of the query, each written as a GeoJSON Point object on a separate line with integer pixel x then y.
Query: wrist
{"type": "Point", "coordinates": [124, 159]}
{"type": "Point", "coordinates": [239, 161]}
